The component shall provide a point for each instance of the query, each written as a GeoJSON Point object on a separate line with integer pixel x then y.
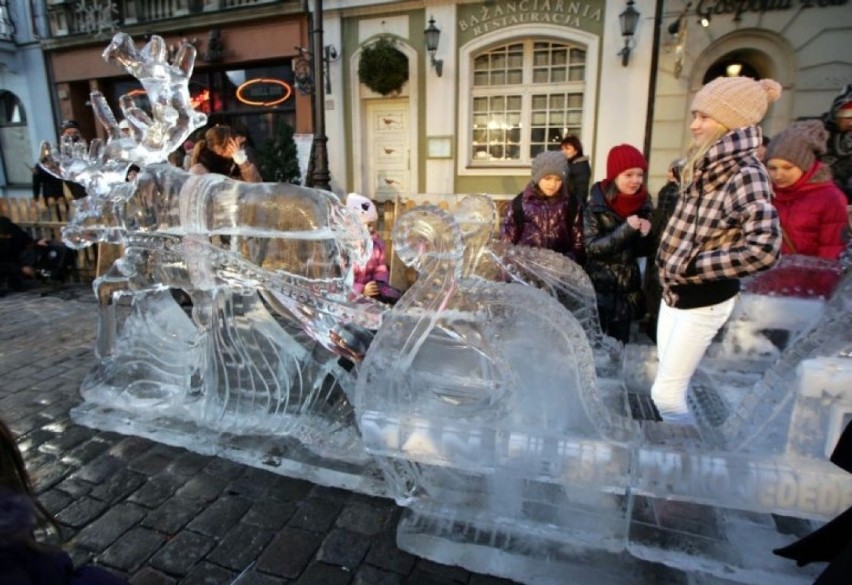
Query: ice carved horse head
{"type": "Point", "coordinates": [209, 234]}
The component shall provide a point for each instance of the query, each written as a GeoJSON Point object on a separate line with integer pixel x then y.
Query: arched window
{"type": "Point", "coordinates": [14, 140]}
{"type": "Point", "coordinates": [525, 95]}
{"type": "Point", "coordinates": [11, 110]}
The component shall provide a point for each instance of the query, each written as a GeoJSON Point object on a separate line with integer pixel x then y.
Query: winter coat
{"type": "Point", "coordinates": [724, 226]}
{"type": "Point", "coordinates": [210, 162]}
{"type": "Point", "coordinates": [813, 215]}
{"type": "Point", "coordinates": [555, 223]}
{"type": "Point", "coordinates": [376, 270]}
{"type": "Point", "coordinates": [47, 184]}
{"type": "Point", "coordinates": [831, 542]}
{"type": "Point", "coordinates": [666, 202]}
{"type": "Point", "coordinates": [578, 175]}
{"type": "Point", "coordinates": [612, 249]}
{"type": "Point", "coordinates": [839, 147]}
{"type": "Point", "coordinates": [24, 563]}
{"type": "Point", "coordinates": [52, 187]}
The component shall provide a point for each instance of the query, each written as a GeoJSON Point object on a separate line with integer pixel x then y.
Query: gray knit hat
{"type": "Point", "coordinates": [549, 162]}
{"type": "Point", "coordinates": [799, 144]}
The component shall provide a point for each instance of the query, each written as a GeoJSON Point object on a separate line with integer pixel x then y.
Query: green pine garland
{"type": "Point", "coordinates": [383, 67]}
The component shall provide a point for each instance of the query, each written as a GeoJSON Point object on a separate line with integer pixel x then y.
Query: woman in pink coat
{"type": "Point", "coordinates": [811, 208]}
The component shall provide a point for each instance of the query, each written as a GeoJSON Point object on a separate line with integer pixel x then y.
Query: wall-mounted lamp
{"type": "Point", "coordinates": [330, 55]}
{"type": "Point", "coordinates": [679, 25]}
{"type": "Point", "coordinates": [733, 70]}
{"type": "Point", "coordinates": [628, 21]}
{"type": "Point", "coordinates": [704, 20]}
{"type": "Point", "coordinates": [433, 35]}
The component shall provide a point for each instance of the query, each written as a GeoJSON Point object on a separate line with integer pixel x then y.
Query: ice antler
{"type": "Point", "coordinates": [153, 136]}
{"type": "Point", "coordinates": [172, 115]}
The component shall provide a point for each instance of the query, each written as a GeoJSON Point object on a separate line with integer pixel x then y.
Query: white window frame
{"type": "Point", "coordinates": [543, 32]}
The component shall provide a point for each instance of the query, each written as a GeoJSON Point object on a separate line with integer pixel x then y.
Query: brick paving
{"type": "Point", "coordinates": [161, 515]}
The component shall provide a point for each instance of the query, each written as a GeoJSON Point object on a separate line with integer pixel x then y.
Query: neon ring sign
{"type": "Point", "coordinates": [264, 91]}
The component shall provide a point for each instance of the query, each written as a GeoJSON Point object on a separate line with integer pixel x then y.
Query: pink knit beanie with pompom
{"type": "Point", "coordinates": [736, 102]}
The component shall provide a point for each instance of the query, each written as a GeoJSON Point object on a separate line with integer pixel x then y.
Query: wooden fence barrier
{"type": "Point", "coordinates": [401, 276]}
{"type": "Point", "coordinates": [41, 220]}
{"type": "Point", "coordinates": [46, 221]}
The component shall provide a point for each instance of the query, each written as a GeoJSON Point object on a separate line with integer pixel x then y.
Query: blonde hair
{"type": "Point", "coordinates": [697, 151]}
{"type": "Point", "coordinates": [215, 136]}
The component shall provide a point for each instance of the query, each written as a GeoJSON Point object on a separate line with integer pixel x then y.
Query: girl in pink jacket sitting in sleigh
{"type": "Point", "coordinates": [371, 280]}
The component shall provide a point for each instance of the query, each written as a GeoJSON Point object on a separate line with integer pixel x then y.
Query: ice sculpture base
{"type": "Point", "coordinates": [521, 557]}
{"type": "Point", "coordinates": [709, 554]}
{"type": "Point", "coordinates": [277, 454]}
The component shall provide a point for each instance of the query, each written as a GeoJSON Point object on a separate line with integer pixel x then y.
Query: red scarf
{"type": "Point", "coordinates": [627, 205]}
{"type": "Point", "coordinates": [800, 186]}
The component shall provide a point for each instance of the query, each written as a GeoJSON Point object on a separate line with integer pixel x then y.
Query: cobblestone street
{"type": "Point", "coordinates": [164, 515]}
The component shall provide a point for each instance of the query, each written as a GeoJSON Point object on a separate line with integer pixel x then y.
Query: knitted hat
{"type": "Point", "coordinates": [736, 102]}
{"type": "Point", "coordinates": [549, 162]}
{"type": "Point", "coordinates": [799, 144]}
{"type": "Point", "coordinates": [623, 157]}
{"type": "Point", "coordinates": [365, 208]}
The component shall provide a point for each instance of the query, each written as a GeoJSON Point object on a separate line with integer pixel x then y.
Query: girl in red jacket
{"type": "Point", "coordinates": [811, 208]}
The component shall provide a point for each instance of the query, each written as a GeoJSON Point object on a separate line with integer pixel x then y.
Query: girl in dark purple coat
{"type": "Point", "coordinates": [23, 560]}
{"type": "Point", "coordinates": [545, 214]}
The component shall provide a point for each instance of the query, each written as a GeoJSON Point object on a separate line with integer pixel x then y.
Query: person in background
{"type": "Point", "coordinates": [811, 208]}
{"type": "Point", "coordinates": [724, 227]}
{"type": "Point", "coordinates": [50, 186]}
{"type": "Point", "coordinates": [372, 279]}
{"type": "Point", "coordinates": [838, 155]}
{"type": "Point", "coordinates": [617, 227]}
{"type": "Point", "coordinates": [761, 150]}
{"type": "Point", "coordinates": [666, 201]}
{"type": "Point", "coordinates": [46, 184]}
{"type": "Point", "coordinates": [222, 152]}
{"type": "Point", "coordinates": [578, 173]}
{"type": "Point", "coordinates": [124, 128]}
{"type": "Point", "coordinates": [70, 130]}
{"type": "Point", "coordinates": [544, 214]}
{"type": "Point", "coordinates": [15, 263]}
{"type": "Point", "coordinates": [23, 559]}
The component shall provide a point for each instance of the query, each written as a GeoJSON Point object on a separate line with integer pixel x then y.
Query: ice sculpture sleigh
{"type": "Point", "coordinates": [486, 401]}
{"type": "Point", "coordinates": [504, 461]}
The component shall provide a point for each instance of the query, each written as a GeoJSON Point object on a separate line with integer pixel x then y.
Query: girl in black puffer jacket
{"type": "Point", "coordinates": [616, 226]}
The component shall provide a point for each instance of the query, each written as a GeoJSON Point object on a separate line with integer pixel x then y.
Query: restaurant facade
{"type": "Point", "coordinates": [505, 79]}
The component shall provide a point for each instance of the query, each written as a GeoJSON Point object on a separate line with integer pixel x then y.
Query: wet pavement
{"type": "Point", "coordinates": [158, 514]}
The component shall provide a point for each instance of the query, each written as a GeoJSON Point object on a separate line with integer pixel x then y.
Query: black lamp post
{"type": "Point", "coordinates": [628, 21]}
{"type": "Point", "coordinates": [432, 35]}
{"type": "Point", "coordinates": [321, 177]}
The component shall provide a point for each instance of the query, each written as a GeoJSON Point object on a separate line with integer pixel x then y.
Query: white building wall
{"type": "Point", "coordinates": [441, 102]}
{"type": "Point", "coordinates": [23, 72]}
{"type": "Point", "coordinates": [622, 105]}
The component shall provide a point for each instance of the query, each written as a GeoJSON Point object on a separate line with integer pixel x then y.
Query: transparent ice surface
{"type": "Point", "coordinates": [486, 401]}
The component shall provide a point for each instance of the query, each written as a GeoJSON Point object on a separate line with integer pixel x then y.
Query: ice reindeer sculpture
{"type": "Point", "coordinates": [495, 411]}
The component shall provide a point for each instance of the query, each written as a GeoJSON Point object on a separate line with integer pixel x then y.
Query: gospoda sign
{"type": "Point", "coordinates": [264, 91]}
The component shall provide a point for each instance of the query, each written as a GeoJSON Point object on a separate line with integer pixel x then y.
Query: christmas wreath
{"type": "Point", "coordinates": [383, 67]}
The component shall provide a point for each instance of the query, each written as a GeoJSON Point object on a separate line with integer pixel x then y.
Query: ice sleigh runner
{"type": "Point", "coordinates": [501, 419]}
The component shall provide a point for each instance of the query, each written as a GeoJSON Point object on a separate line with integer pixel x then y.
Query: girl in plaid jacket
{"type": "Point", "coordinates": [723, 228]}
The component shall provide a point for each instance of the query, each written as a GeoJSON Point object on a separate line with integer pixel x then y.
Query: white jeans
{"type": "Point", "coordinates": [683, 335]}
